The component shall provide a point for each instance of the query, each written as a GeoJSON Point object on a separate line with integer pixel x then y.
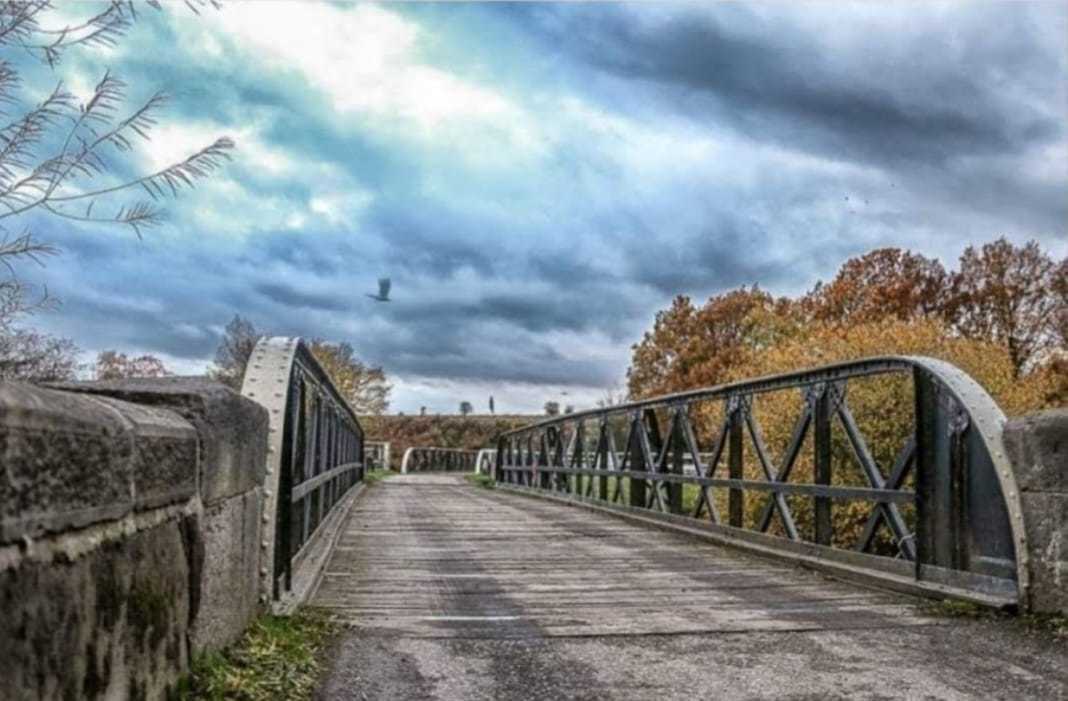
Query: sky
{"type": "Point", "coordinates": [539, 179]}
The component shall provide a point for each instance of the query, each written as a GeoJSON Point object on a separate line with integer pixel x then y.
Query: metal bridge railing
{"type": "Point", "coordinates": [314, 454]}
{"type": "Point", "coordinates": [941, 512]}
{"type": "Point", "coordinates": [438, 460]}
{"type": "Point", "coordinates": [486, 461]}
{"type": "Point", "coordinates": [376, 455]}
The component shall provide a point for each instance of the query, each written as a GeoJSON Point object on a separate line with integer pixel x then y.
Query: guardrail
{"type": "Point", "coordinates": [438, 460]}
{"type": "Point", "coordinates": [943, 511]}
{"type": "Point", "coordinates": [315, 454]}
{"type": "Point", "coordinates": [376, 455]}
{"type": "Point", "coordinates": [486, 461]}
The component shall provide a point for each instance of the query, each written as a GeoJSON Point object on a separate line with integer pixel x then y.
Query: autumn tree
{"type": "Point", "coordinates": [36, 357]}
{"type": "Point", "coordinates": [1012, 295]}
{"type": "Point", "coordinates": [690, 347]}
{"type": "Point", "coordinates": [235, 349]}
{"type": "Point", "coordinates": [612, 396]}
{"type": "Point", "coordinates": [364, 386]}
{"type": "Point", "coordinates": [26, 354]}
{"type": "Point", "coordinates": [1060, 291]}
{"type": "Point", "coordinates": [58, 159]}
{"type": "Point", "coordinates": [887, 283]}
{"type": "Point", "coordinates": [112, 365]}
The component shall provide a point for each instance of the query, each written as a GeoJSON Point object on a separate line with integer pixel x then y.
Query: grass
{"type": "Point", "coordinates": [279, 657]}
{"type": "Point", "coordinates": [480, 480]}
{"type": "Point", "coordinates": [373, 476]}
{"type": "Point", "coordinates": [1053, 624]}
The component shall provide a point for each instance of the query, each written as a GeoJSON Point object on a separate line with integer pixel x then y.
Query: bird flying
{"type": "Point", "coordinates": [383, 290]}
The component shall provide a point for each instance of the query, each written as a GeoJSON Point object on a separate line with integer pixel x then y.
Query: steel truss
{"type": "Point", "coordinates": [959, 528]}
{"type": "Point", "coordinates": [314, 453]}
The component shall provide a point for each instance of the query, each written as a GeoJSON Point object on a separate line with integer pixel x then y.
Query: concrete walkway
{"type": "Point", "coordinates": [456, 592]}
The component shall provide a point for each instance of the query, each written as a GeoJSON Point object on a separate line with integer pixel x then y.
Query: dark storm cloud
{"type": "Point", "coordinates": [296, 299]}
{"type": "Point", "coordinates": [774, 81]}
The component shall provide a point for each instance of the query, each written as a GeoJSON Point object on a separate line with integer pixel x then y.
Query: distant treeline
{"type": "Point", "coordinates": [445, 431]}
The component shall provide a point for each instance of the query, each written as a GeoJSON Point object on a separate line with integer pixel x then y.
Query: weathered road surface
{"type": "Point", "coordinates": [455, 592]}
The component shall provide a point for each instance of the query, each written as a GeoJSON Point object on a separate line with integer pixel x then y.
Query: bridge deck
{"type": "Point", "coordinates": [455, 592]}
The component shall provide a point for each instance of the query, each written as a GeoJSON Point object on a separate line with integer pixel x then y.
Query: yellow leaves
{"type": "Point", "coordinates": [364, 387]}
{"type": "Point", "coordinates": [996, 319]}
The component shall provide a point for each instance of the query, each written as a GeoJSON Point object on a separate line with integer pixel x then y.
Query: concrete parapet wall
{"type": "Point", "coordinates": [129, 523]}
{"type": "Point", "coordinates": [1038, 447]}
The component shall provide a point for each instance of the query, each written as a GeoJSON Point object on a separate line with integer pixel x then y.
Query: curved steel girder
{"type": "Point", "coordinates": [487, 457]}
{"type": "Point", "coordinates": [268, 381]}
{"type": "Point", "coordinates": [986, 416]}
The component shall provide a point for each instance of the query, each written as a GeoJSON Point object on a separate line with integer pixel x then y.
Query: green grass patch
{"type": "Point", "coordinates": [373, 476]}
{"type": "Point", "coordinates": [1053, 624]}
{"type": "Point", "coordinates": [1056, 624]}
{"type": "Point", "coordinates": [480, 480]}
{"type": "Point", "coordinates": [279, 657]}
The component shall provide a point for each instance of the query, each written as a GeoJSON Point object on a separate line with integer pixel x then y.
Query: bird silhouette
{"type": "Point", "coordinates": [383, 290]}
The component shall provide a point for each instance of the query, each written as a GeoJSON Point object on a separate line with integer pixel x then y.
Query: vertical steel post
{"type": "Point", "coordinates": [637, 462]}
{"type": "Point", "coordinates": [677, 446]}
{"type": "Point", "coordinates": [600, 460]}
{"type": "Point", "coordinates": [735, 464]}
{"type": "Point", "coordinates": [546, 478]}
{"type": "Point", "coordinates": [821, 444]}
{"type": "Point", "coordinates": [937, 491]}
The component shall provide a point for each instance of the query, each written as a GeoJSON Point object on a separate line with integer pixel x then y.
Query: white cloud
{"type": "Point", "coordinates": [174, 141]}
{"type": "Point", "coordinates": [340, 207]}
{"type": "Point", "coordinates": [365, 59]}
{"type": "Point", "coordinates": [443, 395]}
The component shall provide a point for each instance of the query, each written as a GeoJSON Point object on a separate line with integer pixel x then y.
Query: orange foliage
{"type": "Point", "coordinates": [1002, 318]}
{"type": "Point", "coordinates": [691, 347]}
{"type": "Point", "coordinates": [885, 283]}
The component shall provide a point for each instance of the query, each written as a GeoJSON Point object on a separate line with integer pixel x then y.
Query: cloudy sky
{"type": "Point", "coordinates": [538, 180]}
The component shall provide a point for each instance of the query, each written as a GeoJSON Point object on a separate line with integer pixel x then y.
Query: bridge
{"type": "Point", "coordinates": [775, 537]}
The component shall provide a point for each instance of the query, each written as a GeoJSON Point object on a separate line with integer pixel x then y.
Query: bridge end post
{"type": "Point", "coordinates": [1037, 446]}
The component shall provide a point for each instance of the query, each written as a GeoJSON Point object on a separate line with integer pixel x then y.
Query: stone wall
{"type": "Point", "coordinates": [1038, 448]}
{"type": "Point", "coordinates": [129, 532]}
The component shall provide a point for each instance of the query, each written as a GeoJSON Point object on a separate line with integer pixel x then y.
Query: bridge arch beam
{"type": "Point", "coordinates": [314, 459]}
